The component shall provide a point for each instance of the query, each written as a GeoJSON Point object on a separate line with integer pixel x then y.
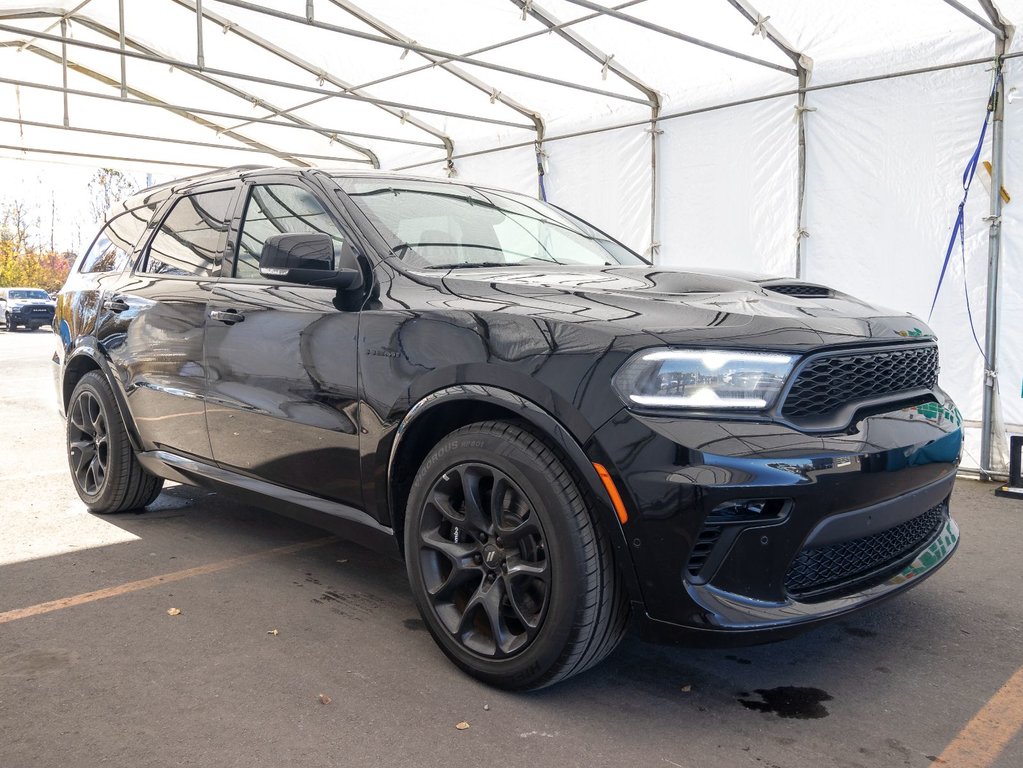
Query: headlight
{"type": "Point", "coordinates": [703, 378]}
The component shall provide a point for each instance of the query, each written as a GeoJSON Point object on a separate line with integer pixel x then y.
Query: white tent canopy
{"type": "Point", "coordinates": [818, 138]}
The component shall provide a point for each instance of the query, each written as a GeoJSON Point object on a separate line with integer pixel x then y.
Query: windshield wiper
{"type": "Point", "coordinates": [529, 262]}
{"type": "Point", "coordinates": [471, 265]}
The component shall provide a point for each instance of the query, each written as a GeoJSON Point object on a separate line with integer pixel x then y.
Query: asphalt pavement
{"type": "Point", "coordinates": [205, 632]}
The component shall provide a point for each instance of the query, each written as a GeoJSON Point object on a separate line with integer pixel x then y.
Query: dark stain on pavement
{"type": "Point", "coordinates": [352, 605]}
{"type": "Point", "coordinates": [416, 625]}
{"type": "Point", "coordinates": [858, 632]}
{"type": "Point", "coordinates": [789, 702]}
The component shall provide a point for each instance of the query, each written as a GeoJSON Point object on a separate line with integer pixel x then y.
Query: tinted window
{"type": "Point", "coordinates": [192, 236]}
{"type": "Point", "coordinates": [275, 209]}
{"type": "Point", "coordinates": [114, 246]}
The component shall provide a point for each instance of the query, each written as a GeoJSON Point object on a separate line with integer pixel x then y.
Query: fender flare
{"type": "Point", "coordinates": [553, 429]}
{"type": "Point", "coordinates": [91, 348]}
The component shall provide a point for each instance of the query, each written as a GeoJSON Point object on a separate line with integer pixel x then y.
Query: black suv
{"type": "Point", "coordinates": [552, 432]}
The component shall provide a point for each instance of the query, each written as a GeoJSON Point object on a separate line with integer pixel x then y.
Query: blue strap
{"type": "Point", "coordinates": [958, 230]}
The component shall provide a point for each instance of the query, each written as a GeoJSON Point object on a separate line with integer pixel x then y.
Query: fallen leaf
{"type": "Point", "coordinates": [686, 688]}
{"type": "Point", "coordinates": [273, 632]}
{"type": "Point", "coordinates": [324, 698]}
{"type": "Point", "coordinates": [462, 726]}
{"type": "Point", "coordinates": [173, 611]}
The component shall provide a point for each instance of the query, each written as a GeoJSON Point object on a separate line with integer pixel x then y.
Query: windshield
{"type": "Point", "coordinates": [434, 225]}
{"type": "Point", "coordinates": [28, 295]}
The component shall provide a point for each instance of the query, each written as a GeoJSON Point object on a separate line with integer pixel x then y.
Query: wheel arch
{"type": "Point", "coordinates": [445, 410]}
{"type": "Point", "coordinates": [86, 357]}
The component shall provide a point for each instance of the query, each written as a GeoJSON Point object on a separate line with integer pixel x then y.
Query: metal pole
{"type": "Point", "coordinates": [187, 66]}
{"type": "Point", "coordinates": [988, 25]}
{"type": "Point", "coordinates": [200, 58]}
{"type": "Point", "coordinates": [674, 33]}
{"type": "Point", "coordinates": [724, 105]}
{"type": "Point", "coordinates": [322, 75]}
{"type": "Point", "coordinates": [654, 133]}
{"type": "Point", "coordinates": [359, 34]}
{"type": "Point", "coordinates": [801, 170]}
{"type": "Point", "coordinates": [63, 67]}
{"type": "Point", "coordinates": [993, 263]}
{"type": "Point", "coordinates": [117, 158]}
{"type": "Point", "coordinates": [495, 46]}
{"type": "Point", "coordinates": [120, 38]}
{"type": "Point", "coordinates": [327, 132]}
{"type": "Point", "coordinates": [183, 142]}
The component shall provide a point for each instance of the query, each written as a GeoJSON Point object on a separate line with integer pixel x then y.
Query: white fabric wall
{"type": "Point", "coordinates": [605, 178]}
{"type": "Point", "coordinates": [1010, 348]}
{"type": "Point", "coordinates": [728, 185]}
{"type": "Point", "coordinates": [884, 163]}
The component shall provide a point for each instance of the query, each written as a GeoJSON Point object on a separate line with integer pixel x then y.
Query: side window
{"type": "Point", "coordinates": [192, 236]}
{"type": "Point", "coordinates": [275, 209]}
{"type": "Point", "coordinates": [113, 248]}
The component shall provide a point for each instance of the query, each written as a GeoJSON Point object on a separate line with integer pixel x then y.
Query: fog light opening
{"type": "Point", "coordinates": [747, 511]}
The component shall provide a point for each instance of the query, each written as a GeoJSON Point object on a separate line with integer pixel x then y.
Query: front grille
{"type": "Point", "coordinates": [801, 290]}
{"type": "Point", "coordinates": [828, 382]}
{"type": "Point", "coordinates": [837, 565]}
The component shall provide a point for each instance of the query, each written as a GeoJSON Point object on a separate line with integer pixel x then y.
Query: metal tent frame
{"type": "Point", "coordinates": [432, 126]}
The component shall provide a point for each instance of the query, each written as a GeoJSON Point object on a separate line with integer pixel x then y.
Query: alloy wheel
{"type": "Point", "coordinates": [88, 443]}
{"type": "Point", "coordinates": [484, 560]}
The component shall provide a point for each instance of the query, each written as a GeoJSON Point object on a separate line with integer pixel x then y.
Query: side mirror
{"type": "Point", "coordinates": [307, 259]}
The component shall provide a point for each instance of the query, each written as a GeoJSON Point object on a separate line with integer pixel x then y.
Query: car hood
{"type": "Point", "coordinates": [680, 306]}
{"type": "Point", "coordinates": [18, 303]}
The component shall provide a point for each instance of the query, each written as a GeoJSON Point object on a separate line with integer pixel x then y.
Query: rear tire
{"type": "Point", "coordinates": [103, 466]}
{"type": "Point", "coordinates": [513, 578]}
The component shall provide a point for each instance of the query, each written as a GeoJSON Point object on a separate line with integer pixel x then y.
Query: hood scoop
{"type": "Point", "coordinates": [801, 290]}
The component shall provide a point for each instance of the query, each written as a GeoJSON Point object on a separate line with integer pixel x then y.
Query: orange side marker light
{"type": "Point", "coordinates": [612, 492]}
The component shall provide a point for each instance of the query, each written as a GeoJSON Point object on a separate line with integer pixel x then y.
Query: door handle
{"type": "Point", "coordinates": [116, 304]}
{"type": "Point", "coordinates": [229, 316]}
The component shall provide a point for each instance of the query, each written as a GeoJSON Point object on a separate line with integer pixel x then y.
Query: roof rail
{"type": "Point", "coordinates": [142, 194]}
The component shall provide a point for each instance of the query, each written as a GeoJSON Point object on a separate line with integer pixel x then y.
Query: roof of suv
{"type": "Point", "coordinates": [161, 191]}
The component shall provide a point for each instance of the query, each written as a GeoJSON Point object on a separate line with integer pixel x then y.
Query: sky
{"type": "Point", "coordinates": [57, 195]}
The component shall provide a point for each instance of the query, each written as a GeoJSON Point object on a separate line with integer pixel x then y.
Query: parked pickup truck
{"type": "Point", "coordinates": [28, 307]}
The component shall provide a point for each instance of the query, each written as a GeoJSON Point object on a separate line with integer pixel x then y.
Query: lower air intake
{"type": "Point", "coordinates": [831, 568]}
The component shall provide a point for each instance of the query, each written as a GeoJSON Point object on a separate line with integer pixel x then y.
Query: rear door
{"type": "Point", "coordinates": [79, 304]}
{"type": "Point", "coordinates": [156, 320]}
{"type": "Point", "coordinates": [281, 358]}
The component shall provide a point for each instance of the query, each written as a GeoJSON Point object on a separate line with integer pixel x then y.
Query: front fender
{"type": "Point", "coordinates": [569, 444]}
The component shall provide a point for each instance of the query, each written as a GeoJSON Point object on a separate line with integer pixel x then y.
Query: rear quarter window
{"type": "Point", "coordinates": [113, 247]}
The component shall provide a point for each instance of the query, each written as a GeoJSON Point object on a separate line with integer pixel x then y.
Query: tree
{"type": "Point", "coordinates": [20, 262]}
{"type": "Point", "coordinates": [108, 186]}
{"type": "Point", "coordinates": [15, 226]}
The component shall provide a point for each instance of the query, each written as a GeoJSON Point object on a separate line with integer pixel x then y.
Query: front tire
{"type": "Point", "coordinates": [11, 325]}
{"type": "Point", "coordinates": [513, 578]}
{"type": "Point", "coordinates": [103, 466]}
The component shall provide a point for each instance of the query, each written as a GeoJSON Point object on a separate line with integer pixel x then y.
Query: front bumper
{"type": "Point", "coordinates": [32, 315]}
{"type": "Point", "coordinates": [751, 529]}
